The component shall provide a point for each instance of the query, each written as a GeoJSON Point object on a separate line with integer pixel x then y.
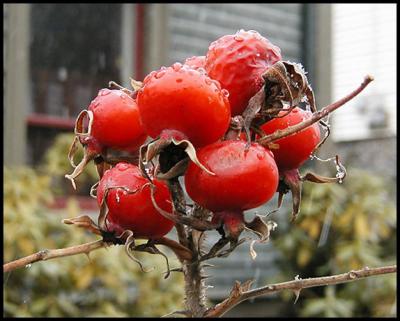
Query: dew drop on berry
{"type": "Point", "coordinates": [122, 166]}
{"type": "Point", "coordinates": [216, 83]}
{"type": "Point", "coordinates": [225, 93]}
{"type": "Point", "coordinates": [95, 103]}
{"type": "Point", "coordinates": [160, 74]}
{"type": "Point", "coordinates": [238, 38]}
{"type": "Point", "coordinates": [104, 92]}
{"type": "Point", "coordinates": [177, 66]}
{"type": "Point", "coordinates": [208, 81]}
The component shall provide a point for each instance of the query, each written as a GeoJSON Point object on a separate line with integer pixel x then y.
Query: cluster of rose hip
{"type": "Point", "coordinates": [207, 120]}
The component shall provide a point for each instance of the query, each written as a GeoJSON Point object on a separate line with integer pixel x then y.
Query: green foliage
{"type": "Point", "coordinates": [340, 228]}
{"type": "Point", "coordinates": [107, 283]}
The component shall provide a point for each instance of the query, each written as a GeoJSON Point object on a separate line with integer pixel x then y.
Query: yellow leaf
{"type": "Point", "coordinates": [84, 277]}
{"type": "Point", "coordinates": [314, 230]}
{"type": "Point", "coordinates": [361, 227]}
{"type": "Point", "coordinates": [25, 246]}
{"type": "Point", "coordinates": [303, 256]}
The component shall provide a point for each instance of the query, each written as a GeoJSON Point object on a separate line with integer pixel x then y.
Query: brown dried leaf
{"type": "Point", "coordinates": [85, 222]}
{"type": "Point", "coordinates": [293, 181]}
{"type": "Point", "coordinates": [182, 252]}
{"type": "Point", "coordinates": [177, 170]}
{"type": "Point", "coordinates": [315, 178]}
{"type": "Point", "coordinates": [262, 229]}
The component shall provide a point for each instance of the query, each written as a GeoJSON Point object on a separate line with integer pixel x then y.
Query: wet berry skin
{"type": "Point", "coordinates": [185, 100]}
{"type": "Point", "coordinates": [129, 202]}
{"type": "Point", "coordinates": [238, 62]}
{"type": "Point", "coordinates": [116, 120]}
{"type": "Point", "coordinates": [243, 179]}
{"type": "Point", "coordinates": [295, 149]}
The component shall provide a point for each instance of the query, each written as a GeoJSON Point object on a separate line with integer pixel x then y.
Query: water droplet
{"type": "Point", "coordinates": [201, 70]}
{"type": "Point", "coordinates": [238, 38]}
{"type": "Point", "coordinates": [94, 103]}
{"type": "Point", "coordinates": [216, 83]}
{"type": "Point", "coordinates": [260, 156]}
{"type": "Point", "coordinates": [28, 265]}
{"type": "Point", "coordinates": [258, 55]}
{"type": "Point", "coordinates": [117, 196]}
{"type": "Point", "coordinates": [225, 93]}
{"type": "Point", "coordinates": [160, 74]}
{"type": "Point", "coordinates": [163, 68]}
{"type": "Point", "coordinates": [177, 66]}
{"type": "Point", "coordinates": [104, 92]}
{"type": "Point", "coordinates": [122, 166]}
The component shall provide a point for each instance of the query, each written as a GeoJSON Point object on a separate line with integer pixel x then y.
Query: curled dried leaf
{"type": "Point", "coordinates": [85, 222]}
{"type": "Point", "coordinates": [261, 229]}
{"type": "Point", "coordinates": [291, 179]}
{"type": "Point", "coordinates": [129, 247]}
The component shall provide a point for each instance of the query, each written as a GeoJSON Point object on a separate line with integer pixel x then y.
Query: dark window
{"type": "Point", "coordinates": [75, 50]}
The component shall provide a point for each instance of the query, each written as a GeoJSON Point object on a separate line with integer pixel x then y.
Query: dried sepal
{"type": "Point", "coordinates": [130, 247]}
{"type": "Point", "coordinates": [169, 166]}
{"type": "Point", "coordinates": [136, 85]}
{"type": "Point", "coordinates": [150, 247]}
{"type": "Point", "coordinates": [113, 84]}
{"type": "Point", "coordinates": [285, 86]}
{"type": "Point", "coordinates": [85, 222]}
{"type": "Point", "coordinates": [93, 190]}
{"type": "Point", "coordinates": [339, 177]}
{"type": "Point", "coordinates": [291, 179]}
{"type": "Point", "coordinates": [193, 222]}
{"type": "Point", "coordinates": [177, 170]}
{"type": "Point", "coordinates": [89, 153]}
{"type": "Point", "coordinates": [79, 129]}
{"type": "Point", "coordinates": [191, 152]}
{"type": "Point", "coordinates": [72, 151]}
{"type": "Point", "coordinates": [261, 229]}
{"type": "Point", "coordinates": [182, 252]}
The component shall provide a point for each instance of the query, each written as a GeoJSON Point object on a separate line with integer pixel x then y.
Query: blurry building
{"type": "Point", "coordinates": [57, 56]}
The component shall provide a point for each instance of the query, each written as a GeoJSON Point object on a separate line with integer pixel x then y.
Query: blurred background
{"type": "Point", "coordinates": [57, 57]}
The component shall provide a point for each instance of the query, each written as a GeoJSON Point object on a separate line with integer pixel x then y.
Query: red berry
{"type": "Point", "coordinates": [243, 179]}
{"type": "Point", "coordinates": [133, 209]}
{"type": "Point", "coordinates": [196, 62]}
{"type": "Point", "coordinates": [185, 100]}
{"type": "Point", "coordinates": [116, 120]}
{"type": "Point", "coordinates": [295, 149]}
{"type": "Point", "coordinates": [237, 62]}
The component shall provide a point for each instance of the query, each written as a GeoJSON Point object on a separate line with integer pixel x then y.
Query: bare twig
{"type": "Point", "coordinates": [44, 255]}
{"type": "Point", "coordinates": [317, 116]}
{"type": "Point", "coordinates": [241, 293]}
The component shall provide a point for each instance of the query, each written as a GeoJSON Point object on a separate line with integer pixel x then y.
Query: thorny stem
{"type": "Point", "coordinates": [192, 269]}
{"type": "Point", "coordinates": [45, 255]}
{"type": "Point", "coordinates": [316, 116]}
{"type": "Point", "coordinates": [238, 295]}
{"type": "Point", "coordinates": [178, 198]}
